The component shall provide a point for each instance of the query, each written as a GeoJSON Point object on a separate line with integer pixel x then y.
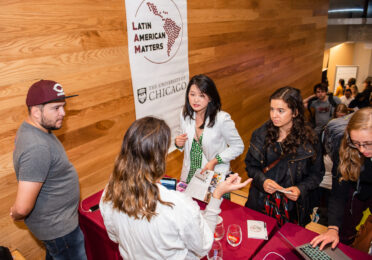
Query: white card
{"type": "Point", "coordinates": [285, 191]}
{"type": "Point", "coordinates": [257, 229]}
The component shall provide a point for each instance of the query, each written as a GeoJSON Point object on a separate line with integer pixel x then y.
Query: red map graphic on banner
{"type": "Point", "coordinates": [170, 27]}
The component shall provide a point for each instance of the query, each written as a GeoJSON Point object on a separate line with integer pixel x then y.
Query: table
{"type": "Point", "coordinates": [97, 243]}
{"type": "Point", "coordinates": [297, 236]}
{"type": "Point", "coordinates": [99, 246]}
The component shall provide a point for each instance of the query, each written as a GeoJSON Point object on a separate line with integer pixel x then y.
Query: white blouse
{"type": "Point", "coordinates": [181, 232]}
{"type": "Point", "coordinates": [222, 139]}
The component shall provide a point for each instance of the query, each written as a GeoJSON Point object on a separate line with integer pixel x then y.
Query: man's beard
{"type": "Point", "coordinates": [48, 125]}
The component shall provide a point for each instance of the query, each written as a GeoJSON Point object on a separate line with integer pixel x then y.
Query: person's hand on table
{"type": "Point", "coordinates": [271, 186]}
{"type": "Point", "coordinates": [295, 193]}
{"type": "Point", "coordinates": [210, 165]}
{"type": "Point", "coordinates": [181, 140]}
{"type": "Point", "coordinates": [233, 182]}
{"type": "Point", "coordinates": [331, 236]}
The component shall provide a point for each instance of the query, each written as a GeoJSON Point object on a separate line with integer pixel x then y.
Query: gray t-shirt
{"type": "Point", "coordinates": [323, 112]}
{"type": "Point", "coordinates": [40, 157]}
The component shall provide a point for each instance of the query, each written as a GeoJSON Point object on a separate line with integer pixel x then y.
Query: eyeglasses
{"type": "Point", "coordinates": [357, 145]}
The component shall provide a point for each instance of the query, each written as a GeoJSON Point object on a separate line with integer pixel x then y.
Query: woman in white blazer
{"type": "Point", "coordinates": [209, 140]}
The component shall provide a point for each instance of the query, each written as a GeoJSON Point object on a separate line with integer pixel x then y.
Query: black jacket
{"type": "Point", "coordinates": [300, 170]}
{"type": "Point", "coordinates": [342, 191]}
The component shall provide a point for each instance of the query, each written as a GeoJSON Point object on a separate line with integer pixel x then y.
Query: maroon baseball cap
{"type": "Point", "coordinates": [45, 91]}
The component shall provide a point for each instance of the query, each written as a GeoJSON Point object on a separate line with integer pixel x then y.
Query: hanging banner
{"type": "Point", "coordinates": [158, 55]}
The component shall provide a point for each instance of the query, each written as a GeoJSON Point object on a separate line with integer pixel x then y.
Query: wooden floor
{"type": "Point", "coordinates": [240, 196]}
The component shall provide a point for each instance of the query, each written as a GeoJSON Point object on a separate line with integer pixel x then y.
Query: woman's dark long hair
{"type": "Point", "coordinates": [140, 164]}
{"type": "Point", "coordinates": [301, 132]}
{"type": "Point", "coordinates": [206, 86]}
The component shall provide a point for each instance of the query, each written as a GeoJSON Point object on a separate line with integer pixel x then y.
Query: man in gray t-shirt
{"type": "Point", "coordinates": [322, 106]}
{"type": "Point", "coordinates": [48, 186]}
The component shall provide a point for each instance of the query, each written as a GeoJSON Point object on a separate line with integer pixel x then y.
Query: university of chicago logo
{"type": "Point", "coordinates": [142, 95]}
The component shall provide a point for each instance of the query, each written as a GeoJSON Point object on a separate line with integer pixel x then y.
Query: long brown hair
{"type": "Point", "coordinates": [350, 158]}
{"type": "Point", "coordinates": [132, 187]}
{"type": "Point", "coordinates": [301, 132]}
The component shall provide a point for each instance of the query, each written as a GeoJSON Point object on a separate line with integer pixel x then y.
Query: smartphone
{"type": "Point", "coordinates": [181, 186]}
{"type": "Point", "coordinates": [94, 208]}
{"type": "Point", "coordinates": [169, 183]}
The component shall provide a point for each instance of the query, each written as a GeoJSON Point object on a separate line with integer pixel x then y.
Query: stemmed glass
{"type": "Point", "coordinates": [234, 235]}
{"type": "Point", "coordinates": [216, 251]}
{"type": "Point", "coordinates": [220, 230]}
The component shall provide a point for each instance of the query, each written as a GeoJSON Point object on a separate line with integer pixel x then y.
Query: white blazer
{"type": "Point", "coordinates": [223, 139]}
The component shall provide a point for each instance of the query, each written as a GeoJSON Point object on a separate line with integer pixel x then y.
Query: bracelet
{"type": "Point", "coordinates": [219, 160]}
{"type": "Point", "coordinates": [178, 147]}
{"type": "Point", "coordinates": [333, 228]}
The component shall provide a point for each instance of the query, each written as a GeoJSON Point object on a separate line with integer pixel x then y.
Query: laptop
{"type": "Point", "coordinates": [309, 252]}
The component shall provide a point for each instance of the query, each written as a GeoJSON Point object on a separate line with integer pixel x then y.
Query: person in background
{"type": "Point", "coordinates": [340, 111]}
{"type": "Point", "coordinates": [48, 185]}
{"type": "Point", "coordinates": [354, 91]}
{"type": "Point", "coordinates": [147, 220]}
{"type": "Point", "coordinates": [321, 106]}
{"type": "Point", "coordinates": [325, 186]}
{"type": "Point", "coordinates": [347, 98]}
{"type": "Point", "coordinates": [210, 139]}
{"type": "Point", "coordinates": [362, 99]}
{"type": "Point", "coordinates": [352, 181]}
{"type": "Point", "coordinates": [284, 157]}
{"type": "Point", "coordinates": [350, 82]}
{"type": "Point", "coordinates": [340, 88]}
{"type": "Point", "coordinates": [367, 84]}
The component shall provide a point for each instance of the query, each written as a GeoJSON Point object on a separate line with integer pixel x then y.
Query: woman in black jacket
{"type": "Point", "coordinates": [284, 159]}
{"type": "Point", "coordinates": [352, 181]}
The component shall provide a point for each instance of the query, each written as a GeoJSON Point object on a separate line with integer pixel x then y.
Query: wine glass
{"type": "Point", "coordinates": [216, 251]}
{"type": "Point", "coordinates": [234, 235]}
{"type": "Point", "coordinates": [220, 230]}
{"type": "Point", "coordinates": [178, 131]}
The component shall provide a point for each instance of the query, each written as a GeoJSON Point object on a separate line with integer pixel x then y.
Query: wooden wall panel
{"type": "Point", "coordinates": [249, 47]}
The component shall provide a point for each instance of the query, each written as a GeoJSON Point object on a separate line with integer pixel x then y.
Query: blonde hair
{"type": "Point", "coordinates": [350, 158]}
{"type": "Point", "coordinates": [341, 108]}
{"type": "Point", "coordinates": [354, 90]}
{"type": "Point", "coordinates": [141, 162]}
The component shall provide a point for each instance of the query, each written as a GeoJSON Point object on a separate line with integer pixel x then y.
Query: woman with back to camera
{"type": "Point", "coordinates": [147, 220]}
{"type": "Point", "coordinates": [352, 181]}
{"type": "Point", "coordinates": [340, 88]}
{"type": "Point", "coordinates": [284, 155]}
{"type": "Point", "coordinates": [209, 140]}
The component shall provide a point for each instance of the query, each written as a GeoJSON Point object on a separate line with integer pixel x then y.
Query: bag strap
{"type": "Point", "coordinates": [271, 165]}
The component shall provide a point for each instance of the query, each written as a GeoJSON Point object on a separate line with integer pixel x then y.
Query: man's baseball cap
{"type": "Point", "coordinates": [45, 91]}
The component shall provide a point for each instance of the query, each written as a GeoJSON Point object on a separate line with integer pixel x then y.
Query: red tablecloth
{"type": "Point", "coordinates": [99, 246]}
{"type": "Point", "coordinates": [297, 236]}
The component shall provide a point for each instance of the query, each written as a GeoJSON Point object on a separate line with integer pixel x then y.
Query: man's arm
{"type": "Point", "coordinates": [25, 200]}
{"type": "Point", "coordinates": [306, 100]}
